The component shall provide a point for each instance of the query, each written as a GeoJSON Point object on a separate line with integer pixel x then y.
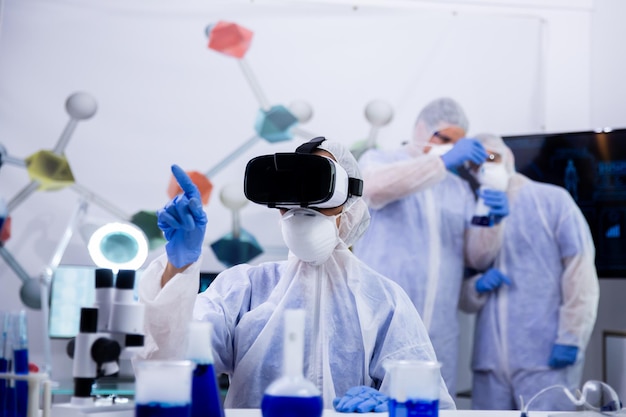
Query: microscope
{"type": "Point", "coordinates": [110, 333]}
{"type": "Point", "coordinates": [122, 318]}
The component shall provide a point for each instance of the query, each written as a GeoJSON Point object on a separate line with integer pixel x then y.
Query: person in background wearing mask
{"type": "Point", "coordinates": [420, 233]}
{"type": "Point", "coordinates": [537, 304]}
{"type": "Point", "coordinates": [356, 318]}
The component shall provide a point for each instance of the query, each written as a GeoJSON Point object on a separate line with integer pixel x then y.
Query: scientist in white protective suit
{"type": "Point", "coordinates": [421, 234]}
{"type": "Point", "coordinates": [356, 319]}
{"type": "Point", "coordinates": [537, 303]}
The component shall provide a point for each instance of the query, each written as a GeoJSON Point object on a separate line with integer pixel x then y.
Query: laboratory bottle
{"type": "Point", "coordinates": [491, 176]}
{"type": "Point", "coordinates": [205, 394]}
{"type": "Point", "coordinates": [292, 395]}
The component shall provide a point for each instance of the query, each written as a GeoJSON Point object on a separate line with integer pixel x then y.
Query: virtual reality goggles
{"type": "Point", "coordinates": [298, 180]}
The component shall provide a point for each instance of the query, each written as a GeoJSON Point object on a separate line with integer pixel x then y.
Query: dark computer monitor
{"type": "Point", "coordinates": [73, 287]}
{"type": "Point", "coordinates": [206, 278]}
{"type": "Point", "coordinates": [591, 165]}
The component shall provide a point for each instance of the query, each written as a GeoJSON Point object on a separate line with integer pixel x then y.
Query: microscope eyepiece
{"type": "Point", "coordinates": [125, 279]}
{"type": "Point", "coordinates": [104, 278]}
{"type": "Point", "coordinates": [88, 320]}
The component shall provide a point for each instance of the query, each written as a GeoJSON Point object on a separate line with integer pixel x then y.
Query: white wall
{"type": "Point", "coordinates": [516, 67]}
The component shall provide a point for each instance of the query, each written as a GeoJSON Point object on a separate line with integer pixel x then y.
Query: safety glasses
{"type": "Point", "coordinates": [595, 396]}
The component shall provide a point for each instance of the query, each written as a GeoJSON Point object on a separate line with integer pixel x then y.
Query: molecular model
{"type": "Point", "coordinates": [274, 123]}
{"type": "Point", "coordinates": [50, 170]}
{"type": "Point", "coordinates": [136, 234]}
{"type": "Point", "coordinates": [378, 113]}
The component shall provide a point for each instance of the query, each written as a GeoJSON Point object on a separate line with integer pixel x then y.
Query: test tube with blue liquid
{"type": "Point", "coordinates": [20, 362]}
{"type": "Point", "coordinates": [292, 395]}
{"type": "Point", "coordinates": [163, 388]}
{"type": "Point", "coordinates": [4, 360]}
{"type": "Point", "coordinates": [205, 397]}
{"type": "Point", "coordinates": [414, 388]}
{"type": "Point", "coordinates": [15, 353]}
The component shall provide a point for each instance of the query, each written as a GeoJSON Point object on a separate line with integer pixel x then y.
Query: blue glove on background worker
{"type": "Point", "coordinates": [498, 203]}
{"type": "Point", "coordinates": [464, 150]}
{"type": "Point", "coordinates": [491, 280]}
{"type": "Point", "coordinates": [183, 222]}
{"type": "Point", "coordinates": [362, 399]}
{"type": "Point", "coordinates": [562, 356]}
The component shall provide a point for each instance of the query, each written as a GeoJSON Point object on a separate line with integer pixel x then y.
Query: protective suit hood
{"type": "Point", "coordinates": [437, 115]}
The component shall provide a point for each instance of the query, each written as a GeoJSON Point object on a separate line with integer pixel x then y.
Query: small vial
{"type": "Point", "coordinates": [481, 215]}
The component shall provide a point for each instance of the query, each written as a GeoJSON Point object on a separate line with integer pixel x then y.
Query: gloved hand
{"type": "Point", "coordinates": [465, 149]}
{"type": "Point", "coordinates": [183, 222]}
{"type": "Point", "coordinates": [491, 280]}
{"type": "Point", "coordinates": [362, 399]}
{"type": "Point", "coordinates": [498, 203]}
{"type": "Point", "coordinates": [562, 356]}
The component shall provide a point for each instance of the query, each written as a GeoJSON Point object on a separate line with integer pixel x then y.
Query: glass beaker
{"type": "Point", "coordinates": [414, 388]}
{"type": "Point", "coordinates": [163, 388]}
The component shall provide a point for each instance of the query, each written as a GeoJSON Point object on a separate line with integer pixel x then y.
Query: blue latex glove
{"type": "Point", "coordinates": [183, 222]}
{"type": "Point", "coordinates": [464, 150]}
{"type": "Point", "coordinates": [491, 280]}
{"type": "Point", "coordinates": [562, 356]}
{"type": "Point", "coordinates": [362, 399]}
{"type": "Point", "coordinates": [498, 203]}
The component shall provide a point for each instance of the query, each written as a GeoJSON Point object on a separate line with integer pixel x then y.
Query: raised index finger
{"type": "Point", "coordinates": [188, 187]}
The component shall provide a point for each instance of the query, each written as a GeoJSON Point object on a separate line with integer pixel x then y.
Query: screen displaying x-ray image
{"type": "Point", "coordinates": [591, 166]}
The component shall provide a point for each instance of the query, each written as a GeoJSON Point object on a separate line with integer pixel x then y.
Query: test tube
{"type": "Point", "coordinates": [20, 362]}
{"type": "Point", "coordinates": [4, 362]}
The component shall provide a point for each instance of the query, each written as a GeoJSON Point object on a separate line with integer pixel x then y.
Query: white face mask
{"type": "Point", "coordinates": [439, 149]}
{"type": "Point", "coordinates": [493, 175]}
{"type": "Point", "coordinates": [309, 234]}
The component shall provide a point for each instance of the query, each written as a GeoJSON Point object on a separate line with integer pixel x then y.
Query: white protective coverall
{"type": "Point", "coordinates": [548, 255]}
{"type": "Point", "coordinates": [356, 318]}
{"type": "Point", "coordinates": [420, 233]}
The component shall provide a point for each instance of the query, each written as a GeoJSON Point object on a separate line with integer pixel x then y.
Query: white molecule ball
{"type": "Point", "coordinates": [232, 196]}
{"type": "Point", "coordinates": [30, 293]}
{"type": "Point", "coordinates": [378, 112]}
{"type": "Point", "coordinates": [302, 110]}
{"type": "Point", "coordinates": [81, 106]}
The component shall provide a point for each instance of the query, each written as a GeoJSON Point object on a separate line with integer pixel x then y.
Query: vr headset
{"type": "Point", "coordinates": [298, 180]}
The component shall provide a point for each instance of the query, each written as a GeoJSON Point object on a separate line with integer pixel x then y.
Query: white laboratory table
{"type": "Point", "coordinates": [442, 413]}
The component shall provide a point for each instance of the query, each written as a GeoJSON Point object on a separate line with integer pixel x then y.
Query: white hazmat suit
{"type": "Point", "coordinates": [356, 319]}
{"type": "Point", "coordinates": [548, 256]}
{"type": "Point", "coordinates": [420, 233]}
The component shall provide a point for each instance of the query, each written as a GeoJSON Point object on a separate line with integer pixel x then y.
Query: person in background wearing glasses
{"type": "Point", "coordinates": [537, 304]}
{"type": "Point", "coordinates": [420, 232]}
